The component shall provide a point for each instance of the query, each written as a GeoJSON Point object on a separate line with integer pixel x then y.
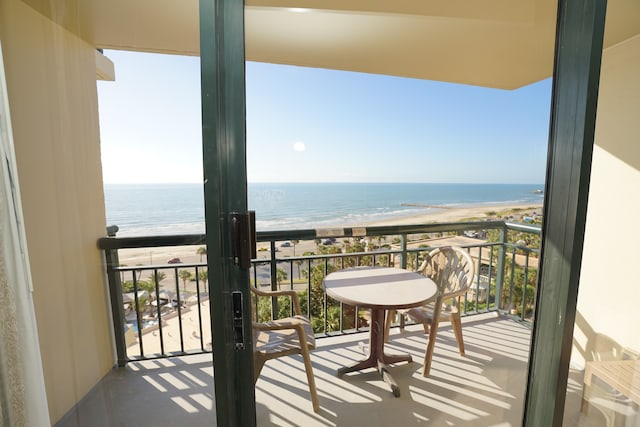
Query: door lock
{"type": "Point", "coordinates": [238, 327]}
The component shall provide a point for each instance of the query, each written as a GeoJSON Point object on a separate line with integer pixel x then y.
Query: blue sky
{"type": "Point", "coordinates": [316, 125]}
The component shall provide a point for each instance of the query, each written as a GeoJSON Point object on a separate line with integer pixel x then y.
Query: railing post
{"type": "Point", "coordinates": [117, 309]}
{"type": "Point", "coordinates": [524, 286]}
{"type": "Point", "coordinates": [500, 267]}
{"type": "Point", "coordinates": [274, 279]}
{"type": "Point", "coordinates": [512, 280]}
{"type": "Point", "coordinates": [403, 246]}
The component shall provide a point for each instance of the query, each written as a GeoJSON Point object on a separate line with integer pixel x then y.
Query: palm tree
{"type": "Point", "coordinates": [150, 284]}
{"type": "Point", "coordinates": [280, 276]}
{"type": "Point", "coordinates": [184, 275]}
{"type": "Point", "coordinates": [203, 275]}
{"type": "Point", "coordinates": [294, 243]}
{"type": "Point", "coordinates": [160, 276]}
{"type": "Point", "coordinates": [298, 262]}
{"type": "Point", "coordinates": [201, 251]}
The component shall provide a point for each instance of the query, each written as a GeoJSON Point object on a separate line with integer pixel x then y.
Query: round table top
{"type": "Point", "coordinates": [380, 287]}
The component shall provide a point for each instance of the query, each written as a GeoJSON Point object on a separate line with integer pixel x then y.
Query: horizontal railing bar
{"type": "Point", "coordinates": [107, 243]}
{"type": "Point", "coordinates": [165, 266]}
{"type": "Point", "coordinates": [527, 228]}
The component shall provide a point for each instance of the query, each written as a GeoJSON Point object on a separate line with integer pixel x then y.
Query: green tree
{"type": "Point", "coordinates": [284, 307]}
{"type": "Point", "coordinates": [298, 263]}
{"type": "Point", "coordinates": [382, 260]}
{"type": "Point", "coordinates": [316, 305]}
{"type": "Point", "coordinates": [143, 301]}
{"type": "Point", "coordinates": [412, 257]}
{"type": "Point", "coordinates": [185, 275]}
{"type": "Point", "coordinates": [294, 243]}
{"type": "Point", "coordinates": [147, 285]}
{"type": "Point", "coordinates": [203, 275]}
{"type": "Point", "coordinates": [281, 275]}
{"type": "Point", "coordinates": [330, 249]}
{"type": "Point", "coordinates": [515, 297]}
{"type": "Point", "coordinates": [141, 285]}
{"type": "Point", "coordinates": [201, 251]}
{"type": "Point", "coordinates": [160, 275]}
{"type": "Point", "coordinates": [127, 286]}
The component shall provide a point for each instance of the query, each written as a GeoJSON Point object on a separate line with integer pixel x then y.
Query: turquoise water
{"type": "Point", "coordinates": [152, 209]}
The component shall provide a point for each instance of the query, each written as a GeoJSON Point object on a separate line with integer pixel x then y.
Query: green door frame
{"type": "Point", "coordinates": [225, 191]}
{"type": "Point", "coordinates": [579, 37]}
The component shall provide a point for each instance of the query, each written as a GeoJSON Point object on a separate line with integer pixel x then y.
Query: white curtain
{"type": "Point", "coordinates": [23, 400]}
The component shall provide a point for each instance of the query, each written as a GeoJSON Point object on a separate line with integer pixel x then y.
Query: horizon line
{"type": "Point", "coordinates": [334, 182]}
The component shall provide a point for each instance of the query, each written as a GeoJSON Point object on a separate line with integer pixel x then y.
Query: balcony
{"type": "Point", "coordinates": [166, 373]}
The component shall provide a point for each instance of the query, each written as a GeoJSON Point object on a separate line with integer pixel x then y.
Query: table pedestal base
{"type": "Point", "coordinates": [377, 358]}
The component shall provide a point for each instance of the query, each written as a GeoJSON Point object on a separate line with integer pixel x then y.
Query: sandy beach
{"type": "Point", "coordinates": [473, 212]}
{"type": "Point", "coordinates": [187, 254]}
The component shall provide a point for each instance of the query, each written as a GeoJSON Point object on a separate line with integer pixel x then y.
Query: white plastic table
{"type": "Point", "coordinates": [379, 289]}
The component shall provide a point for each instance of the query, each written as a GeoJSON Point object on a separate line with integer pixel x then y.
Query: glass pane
{"type": "Point", "coordinates": [604, 378]}
{"type": "Point", "coordinates": [336, 147]}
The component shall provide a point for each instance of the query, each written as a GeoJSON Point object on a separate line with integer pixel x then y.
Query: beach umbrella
{"type": "Point", "coordinates": [192, 299]}
{"type": "Point", "coordinates": [168, 295]}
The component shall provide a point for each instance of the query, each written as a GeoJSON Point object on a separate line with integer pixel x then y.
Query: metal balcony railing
{"type": "Point", "coordinates": [154, 317]}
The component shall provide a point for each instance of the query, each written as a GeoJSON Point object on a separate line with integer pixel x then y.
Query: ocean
{"type": "Point", "coordinates": [160, 209]}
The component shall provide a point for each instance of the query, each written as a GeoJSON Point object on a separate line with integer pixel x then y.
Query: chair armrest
{"type": "Point", "coordinates": [289, 293]}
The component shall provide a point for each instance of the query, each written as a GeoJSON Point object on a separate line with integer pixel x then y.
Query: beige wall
{"type": "Point", "coordinates": [609, 296]}
{"type": "Point", "coordinates": [53, 101]}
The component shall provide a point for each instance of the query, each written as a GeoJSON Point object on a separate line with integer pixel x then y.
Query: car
{"type": "Point", "coordinates": [285, 244]}
{"type": "Point", "coordinates": [328, 241]}
{"type": "Point", "coordinates": [174, 261]}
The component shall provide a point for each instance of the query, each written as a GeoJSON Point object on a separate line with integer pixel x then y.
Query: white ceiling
{"type": "Point", "coordinates": [492, 43]}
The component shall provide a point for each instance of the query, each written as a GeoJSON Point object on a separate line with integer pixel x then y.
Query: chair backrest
{"type": "Point", "coordinates": [451, 268]}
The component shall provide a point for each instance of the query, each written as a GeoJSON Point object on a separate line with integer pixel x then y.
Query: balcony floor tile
{"type": "Point", "coordinates": [486, 387]}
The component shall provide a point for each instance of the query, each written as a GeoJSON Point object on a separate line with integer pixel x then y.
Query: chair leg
{"type": "Point", "coordinates": [428, 354]}
{"type": "Point", "coordinates": [387, 324]}
{"type": "Point", "coordinates": [258, 363]}
{"type": "Point", "coordinates": [304, 350]}
{"type": "Point", "coordinates": [456, 325]}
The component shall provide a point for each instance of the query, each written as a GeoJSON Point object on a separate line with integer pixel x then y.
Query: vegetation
{"type": "Point", "coordinates": [142, 285]}
{"type": "Point", "coordinates": [185, 275]}
{"type": "Point", "coordinates": [201, 251]}
{"type": "Point", "coordinates": [281, 275]}
{"type": "Point", "coordinates": [203, 276]}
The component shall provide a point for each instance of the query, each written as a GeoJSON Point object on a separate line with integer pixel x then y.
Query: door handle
{"type": "Point", "coordinates": [243, 229]}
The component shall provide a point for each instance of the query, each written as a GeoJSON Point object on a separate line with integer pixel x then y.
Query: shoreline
{"type": "Point", "coordinates": [187, 254]}
{"type": "Point", "coordinates": [455, 214]}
